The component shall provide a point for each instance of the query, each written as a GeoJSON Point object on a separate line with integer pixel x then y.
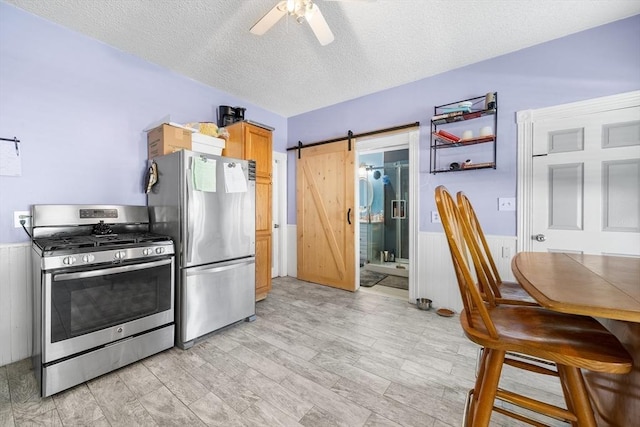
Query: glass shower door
{"type": "Point", "coordinates": [396, 223]}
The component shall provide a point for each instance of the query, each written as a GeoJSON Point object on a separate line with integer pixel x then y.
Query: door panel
{"type": "Point", "coordinates": [621, 195]}
{"type": "Point", "coordinates": [586, 183]}
{"type": "Point", "coordinates": [215, 296]}
{"type": "Point", "coordinates": [326, 216]}
{"type": "Point", "coordinates": [263, 270]}
{"type": "Point", "coordinates": [258, 147]}
{"type": "Point", "coordinates": [219, 225]}
{"type": "Point", "coordinates": [566, 185]}
{"type": "Point", "coordinates": [263, 201]}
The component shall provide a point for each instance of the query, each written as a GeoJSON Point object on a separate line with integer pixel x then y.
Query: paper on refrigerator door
{"type": "Point", "coordinates": [234, 181]}
{"type": "Point", "coordinates": [204, 174]}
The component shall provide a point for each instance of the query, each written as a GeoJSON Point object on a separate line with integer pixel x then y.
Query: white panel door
{"type": "Point", "coordinates": [586, 183]}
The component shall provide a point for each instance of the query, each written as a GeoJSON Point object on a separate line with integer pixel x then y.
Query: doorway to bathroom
{"type": "Point", "coordinates": [385, 206]}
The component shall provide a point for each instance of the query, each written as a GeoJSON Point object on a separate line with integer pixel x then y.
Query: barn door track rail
{"type": "Point", "coordinates": [350, 135]}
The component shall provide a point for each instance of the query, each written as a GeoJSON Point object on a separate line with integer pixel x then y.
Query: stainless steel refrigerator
{"type": "Point", "coordinates": [207, 205]}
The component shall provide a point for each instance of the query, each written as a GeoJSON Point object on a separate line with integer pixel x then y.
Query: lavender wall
{"type": "Point", "coordinates": [79, 107]}
{"type": "Point", "coordinates": [598, 62]}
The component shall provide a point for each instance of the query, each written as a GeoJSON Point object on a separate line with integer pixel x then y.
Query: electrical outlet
{"type": "Point", "coordinates": [19, 215]}
{"type": "Point", "coordinates": [507, 204]}
{"type": "Point", "coordinates": [435, 216]}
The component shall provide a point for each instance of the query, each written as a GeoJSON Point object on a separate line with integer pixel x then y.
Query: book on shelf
{"type": "Point", "coordinates": [446, 136]}
{"type": "Point", "coordinates": [455, 109]}
{"type": "Point", "coordinates": [447, 115]}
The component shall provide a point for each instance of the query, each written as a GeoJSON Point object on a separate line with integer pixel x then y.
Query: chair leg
{"type": "Point", "coordinates": [565, 391]}
{"type": "Point", "coordinates": [488, 387]}
{"type": "Point", "coordinates": [476, 388]}
{"type": "Point", "coordinates": [579, 397]}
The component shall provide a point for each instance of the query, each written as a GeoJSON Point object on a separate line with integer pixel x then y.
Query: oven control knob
{"type": "Point", "coordinates": [159, 250]}
{"type": "Point", "coordinates": [88, 258]}
{"type": "Point", "coordinates": [120, 255]}
{"type": "Point", "coordinates": [68, 260]}
{"type": "Point", "coordinates": [147, 251]}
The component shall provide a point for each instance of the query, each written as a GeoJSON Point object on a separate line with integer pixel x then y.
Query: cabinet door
{"type": "Point", "coordinates": [263, 266]}
{"type": "Point", "coordinates": [258, 147]}
{"type": "Point", "coordinates": [235, 146]}
{"type": "Point", "coordinates": [263, 205]}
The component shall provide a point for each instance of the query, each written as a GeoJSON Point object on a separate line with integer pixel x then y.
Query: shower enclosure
{"type": "Point", "coordinates": [384, 198]}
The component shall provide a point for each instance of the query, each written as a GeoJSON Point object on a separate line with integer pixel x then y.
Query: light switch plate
{"type": "Point", "coordinates": [507, 204]}
{"type": "Point", "coordinates": [506, 252]}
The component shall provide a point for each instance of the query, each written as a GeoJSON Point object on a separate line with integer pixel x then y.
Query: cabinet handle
{"type": "Point", "coordinates": [349, 216]}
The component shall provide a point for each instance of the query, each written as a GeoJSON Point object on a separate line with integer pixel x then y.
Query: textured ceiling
{"type": "Point", "coordinates": [378, 45]}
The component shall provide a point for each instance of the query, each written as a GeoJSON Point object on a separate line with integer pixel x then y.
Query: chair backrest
{"type": "Point", "coordinates": [482, 247]}
{"type": "Point", "coordinates": [458, 237]}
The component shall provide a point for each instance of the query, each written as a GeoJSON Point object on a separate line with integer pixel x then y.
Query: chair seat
{"type": "Point", "coordinates": [562, 338]}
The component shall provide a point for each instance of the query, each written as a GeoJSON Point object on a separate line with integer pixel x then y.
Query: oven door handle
{"type": "Point", "coordinates": [110, 270]}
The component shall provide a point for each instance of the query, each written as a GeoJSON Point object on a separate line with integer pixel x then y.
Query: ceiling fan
{"type": "Point", "coordinates": [301, 10]}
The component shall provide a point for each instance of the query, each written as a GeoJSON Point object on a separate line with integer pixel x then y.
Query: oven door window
{"type": "Point", "coordinates": [85, 302]}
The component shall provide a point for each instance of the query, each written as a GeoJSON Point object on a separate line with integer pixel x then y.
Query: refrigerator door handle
{"type": "Point", "coordinates": [188, 213]}
{"type": "Point", "coordinates": [229, 265]}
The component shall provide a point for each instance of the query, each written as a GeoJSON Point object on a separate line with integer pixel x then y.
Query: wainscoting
{"type": "Point", "coordinates": [15, 302]}
{"type": "Point", "coordinates": [435, 280]}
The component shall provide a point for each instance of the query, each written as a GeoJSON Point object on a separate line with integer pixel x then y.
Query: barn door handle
{"type": "Point", "coordinates": [349, 216]}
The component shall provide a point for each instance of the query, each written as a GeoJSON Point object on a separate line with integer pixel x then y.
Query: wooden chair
{"type": "Point", "coordinates": [504, 292]}
{"type": "Point", "coordinates": [572, 342]}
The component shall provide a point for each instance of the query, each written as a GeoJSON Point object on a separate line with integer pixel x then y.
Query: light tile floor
{"type": "Point", "coordinates": [386, 291]}
{"type": "Point", "coordinates": [315, 356]}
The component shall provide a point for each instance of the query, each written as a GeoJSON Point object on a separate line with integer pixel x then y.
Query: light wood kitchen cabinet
{"type": "Point", "coordinates": [251, 142]}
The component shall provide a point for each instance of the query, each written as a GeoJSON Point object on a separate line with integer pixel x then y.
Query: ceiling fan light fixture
{"type": "Point", "coordinates": [301, 10]}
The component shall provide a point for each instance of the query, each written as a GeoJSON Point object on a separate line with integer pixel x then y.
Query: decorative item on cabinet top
{"type": "Point", "coordinates": [455, 117]}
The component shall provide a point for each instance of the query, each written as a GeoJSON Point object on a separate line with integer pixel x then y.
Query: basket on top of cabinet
{"type": "Point", "coordinates": [474, 144]}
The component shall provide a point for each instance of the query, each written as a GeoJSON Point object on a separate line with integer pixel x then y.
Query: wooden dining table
{"type": "Point", "coordinates": [608, 289]}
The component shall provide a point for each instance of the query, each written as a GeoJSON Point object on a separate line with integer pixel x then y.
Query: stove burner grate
{"type": "Point", "coordinates": [106, 240]}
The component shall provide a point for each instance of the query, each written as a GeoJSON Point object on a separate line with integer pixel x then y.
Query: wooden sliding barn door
{"type": "Point", "coordinates": [326, 218]}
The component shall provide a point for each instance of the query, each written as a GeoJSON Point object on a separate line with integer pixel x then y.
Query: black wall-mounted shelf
{"type": "Point", "coordinates": [446, 116]}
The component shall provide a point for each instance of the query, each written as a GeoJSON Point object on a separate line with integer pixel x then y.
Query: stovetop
{"type": "Point", "coordinates": [70, 242]}
{"type": "Point", "coordinates": [90, 236]}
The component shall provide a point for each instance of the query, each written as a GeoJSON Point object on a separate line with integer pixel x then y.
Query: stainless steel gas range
{"type": "Point", "coordinates": [103, 291]}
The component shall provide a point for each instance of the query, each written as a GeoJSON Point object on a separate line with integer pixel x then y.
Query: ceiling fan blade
{"type": "Point", "coordinates": [319, 25]}
{"type": "Point", "coordinates": [269, 20]}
